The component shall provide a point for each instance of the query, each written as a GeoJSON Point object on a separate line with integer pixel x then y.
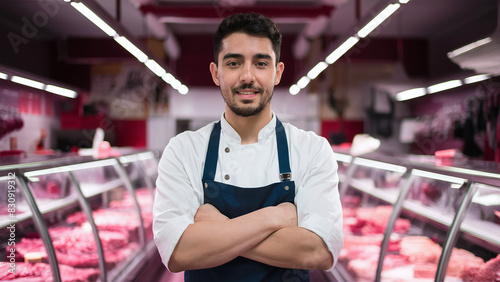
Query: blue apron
{"type": "Point", "coordinates": [234, 201]}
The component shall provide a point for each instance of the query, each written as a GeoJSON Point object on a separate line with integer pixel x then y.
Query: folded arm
{"type": "Point", "coordinates": [287, 247]}
{"type": "Point", "coordinates": [214, 240]}
{"type": "Point", "coordinates": [292, 247]}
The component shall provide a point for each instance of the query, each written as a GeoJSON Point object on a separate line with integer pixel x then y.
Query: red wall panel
{"type": "Point", "coordinates": [130, 133]}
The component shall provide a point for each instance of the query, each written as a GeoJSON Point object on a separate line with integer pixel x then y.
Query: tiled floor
{"type": "Point", "coordinates": [316, 276]}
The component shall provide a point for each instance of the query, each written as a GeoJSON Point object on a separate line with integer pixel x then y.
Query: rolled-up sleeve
{"type": "Point", "coordinates": [318, 204]}
{"type": "Point", "coordinates": [176, 201]}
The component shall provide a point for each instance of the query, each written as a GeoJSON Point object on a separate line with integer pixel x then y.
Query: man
{"type": "Point", "coordinates": [247, 198]}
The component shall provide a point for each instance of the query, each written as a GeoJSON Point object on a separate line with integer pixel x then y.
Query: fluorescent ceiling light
{"type": "Point", "coordinates": [136, 52]}
{"type": "Point", "coordinates": [411, 94]}
{"type": "Point", "coordinates": [404, 1]}
{"type": "Point", "coordinates": [444, 86]}
{"type": "Point", "coordinates": [94, 18]}
{"type": "Point", "coordinates": [176, 84]}
{"type": "Point", "coordinates": [380, 18]}
{"type": "Point", "coordinates": [341, 50]}
{"type": "Point", "coordinates": [61, 91]}
{"type": "Point", "coordinates": [155, 68]}
{"type": "Point", "coordinates": [168, 78]}
{"type": "Point", "coordinates": [303, 82]}
{"type": "Point", "coordinates": [294, 89]}
{"type": "Point", "coordinates": [437, 176]}
{"type": "Point", "coordinates": [469, 47]}
{"type": "Point", "coordinates": [317, 69]}
{"type": "Point", "coordinates": [3, 75]}
{"type": "Point", "coordinates": [476, 78]}
{"type": "Point", "coordinates": [27, 82]}
{"type": "Point", "coordinates": [183, 89]}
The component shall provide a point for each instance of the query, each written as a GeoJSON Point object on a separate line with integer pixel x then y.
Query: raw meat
{"type": "Point", "coordinates": [420, 249]}
{"type": "Point", "coordinates": [489, 271]}
{"type": "Point", "coordinates": [44, 272]}
{"type": "Point", "coordinates": [126, 222]}
{"type": "Point", "coordinates": [460, 260]}
{"type": "Point", "coordinates": [369, 220]}
{"type": "Point", "coordinates": [425, 270]}
{"type": "Point", "coordinates": [76, 247]}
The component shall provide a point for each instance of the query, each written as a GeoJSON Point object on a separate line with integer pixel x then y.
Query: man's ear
{"type": "Point", "coordinates": [280, 67]}
{"type": "Point", "coordinates": [214, 71]}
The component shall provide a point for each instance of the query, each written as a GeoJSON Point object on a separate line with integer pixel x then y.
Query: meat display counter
{"type": "Point", "coordinates": [417, 219]}
{"type": "Point", "coordinates": [77, 218]}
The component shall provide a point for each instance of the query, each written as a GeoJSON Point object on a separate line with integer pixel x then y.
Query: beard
{"type": "Point", "coordinates": [247, 111]}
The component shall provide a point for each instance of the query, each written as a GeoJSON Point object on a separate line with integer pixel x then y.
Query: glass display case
{"type": "Point", "coordinates": [368, 195]}
{"type": "Point", "coordinates": [343, 161]}
{"type": "Point", "coordinates": [80, 219]}
{"type": "Point", "coordinates": [409, 220]}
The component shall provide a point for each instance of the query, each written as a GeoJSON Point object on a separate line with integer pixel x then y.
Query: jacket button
{"type": "Point", "coordinates": [227, 150]}
{"type": "Point", "coordinates": [226, 176]}
{"type": "Point", "coordinates": [286, 188]}
{"type": "Point", "coordinates": [206, 185]}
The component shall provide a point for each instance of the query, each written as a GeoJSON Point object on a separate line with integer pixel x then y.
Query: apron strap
{"type": "Point", "coordinates": [213, 153]}
{"type": "Point", "coordinates": [284, 161]}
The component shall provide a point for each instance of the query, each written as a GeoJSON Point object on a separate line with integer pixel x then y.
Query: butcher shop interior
{"type": "Point", "coordinates": [405, 92]}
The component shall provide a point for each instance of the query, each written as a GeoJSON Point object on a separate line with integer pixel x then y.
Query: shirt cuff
{"type": "Point", "coordinates": [325, 228]}
{"type": "Point", "coordinates": [166, 238]}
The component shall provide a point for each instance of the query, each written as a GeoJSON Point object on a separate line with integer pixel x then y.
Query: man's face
{"type": "Point", "coordinates": [246, 73]}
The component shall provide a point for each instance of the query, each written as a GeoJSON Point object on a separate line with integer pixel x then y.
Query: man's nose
{"type": "Point", "coordinates": [247, 74]}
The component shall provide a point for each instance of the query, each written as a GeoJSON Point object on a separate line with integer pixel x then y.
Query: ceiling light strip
{"type": "Point", "coordinates": [348, 44]}
{"type": "Point", "coordinates": [60, 91]}
{"type": "Point", "coordinates": [444, 86]}
{"type": "Point", "coordinates": [294, 89]}
{"type": "Point", "coordinates": [303, 82]}
{"type": "Point", "coordinates": [27, 82]}
{"type": "Point", "coordinates": [155, 67]}
{"type": "Point", "coordinates": [411, 94]}
{"type": "Point", "coordinates": [468, 47]}
{"type": "Point", "coordinates": [380, 18]}
{"type": "Point", "coordinates": [84, 10]}
{"type": "Point", "coordinates": [317, 69]}
{"type": "Point", "coordinates": [439, 87]}
{"type": "Point", "coordinates": [341, 50]}
{"type": "Point", "coordinates": [39, 85]}
{"type": "Point", "coordinates": [131, 48]}
{"type": "Point", "coordinates": [476, 78]}
{"type": "Point", "coordinates": [152, 65]}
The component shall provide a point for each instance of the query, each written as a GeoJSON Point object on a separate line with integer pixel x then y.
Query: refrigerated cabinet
{"type": "Point", "coordinates": [415, 219]}
{"type": "Point", "coordinates": [78, 218]}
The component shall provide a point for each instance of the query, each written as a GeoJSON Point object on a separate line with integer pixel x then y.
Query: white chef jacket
{"type": "Point", "coordinates": [179, 191]}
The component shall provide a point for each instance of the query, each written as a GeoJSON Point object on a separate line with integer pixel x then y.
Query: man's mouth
{"type": "Point", "coordinates": [247, 93]}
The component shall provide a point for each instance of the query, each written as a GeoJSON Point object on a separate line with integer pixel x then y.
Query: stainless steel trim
{"type": "Point", "coordinates": [42, 228]}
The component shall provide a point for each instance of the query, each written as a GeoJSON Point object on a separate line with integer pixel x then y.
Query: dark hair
{"type": "Point", "coordinates": [252, 24]}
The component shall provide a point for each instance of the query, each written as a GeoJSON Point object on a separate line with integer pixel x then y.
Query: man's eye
{"type": "Point", "coordinates": [261, 64]}
{"type": "Point", "coordinates": [233, 64]}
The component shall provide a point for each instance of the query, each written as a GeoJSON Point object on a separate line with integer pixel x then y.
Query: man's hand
{"type": "Point", "coordinates": [207, 212]}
